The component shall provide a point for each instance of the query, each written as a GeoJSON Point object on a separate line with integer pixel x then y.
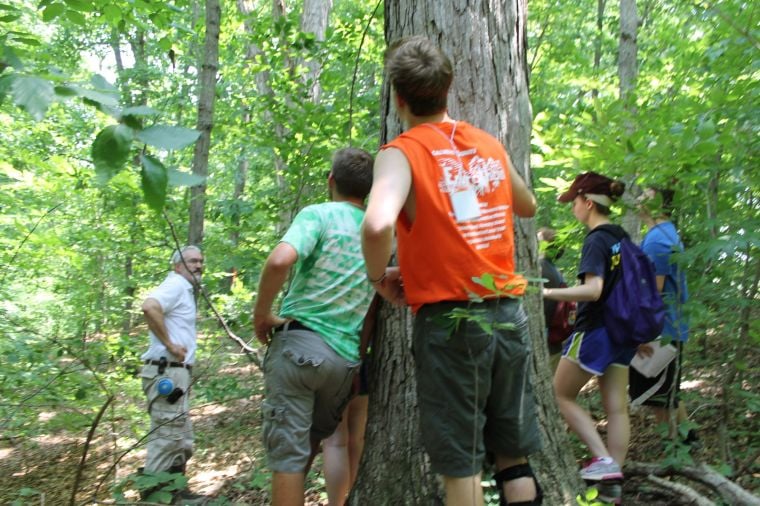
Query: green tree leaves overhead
{"type": "Point", "coordinates": [33, 94]}
{"type": "Point", "coordinates": [110, 150]}
{"type": "Point", "coordinates": [168, 137]}
{"type": "Point", "coordinates": [154, 181]}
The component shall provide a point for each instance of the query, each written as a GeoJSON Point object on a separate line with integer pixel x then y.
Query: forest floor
{"type": "Point", "coordinates": [229, 463]}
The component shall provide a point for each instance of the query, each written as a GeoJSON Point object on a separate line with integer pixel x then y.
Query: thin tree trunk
{"type": "Point", "coordinates": [598, 43]}
{"type": "Point", "coordinates": [314, 19]}
{"type": "Point", "coordinates": [627, 72]}
{"type": "Point", "coordinates": [206, 96]}
{"type": "Point", "coordinates": [628, 68]}
{"type": "Point", "coordinates": [490, 90]}
{"type": "Point", "coordinates": [124, 86]}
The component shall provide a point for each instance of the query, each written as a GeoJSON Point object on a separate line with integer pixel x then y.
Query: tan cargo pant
{"type": "Point", "coordinates": [170, 442]}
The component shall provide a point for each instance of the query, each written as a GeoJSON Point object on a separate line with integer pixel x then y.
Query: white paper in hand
{"type": "Point", "coordinates": [652, 366]}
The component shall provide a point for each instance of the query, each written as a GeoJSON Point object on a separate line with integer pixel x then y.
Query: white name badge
{"type": "Point", "coordinates": [465, 204]}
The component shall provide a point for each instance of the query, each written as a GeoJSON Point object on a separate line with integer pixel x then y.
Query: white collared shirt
{"type": "Point", "coordinates": [175, 296]}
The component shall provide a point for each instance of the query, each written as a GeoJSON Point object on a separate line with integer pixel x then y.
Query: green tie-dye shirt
{"type": "Point", "coordinates": [329, 293]}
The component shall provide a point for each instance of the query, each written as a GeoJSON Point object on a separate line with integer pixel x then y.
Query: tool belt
{"type": "Point", "coordinates": [169, 364]}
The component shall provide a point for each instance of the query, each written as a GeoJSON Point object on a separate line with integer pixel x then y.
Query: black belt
{"type": "Point", "coordinates": [292, 325]}
{"type": "Point", "coordinates": [170, 364]}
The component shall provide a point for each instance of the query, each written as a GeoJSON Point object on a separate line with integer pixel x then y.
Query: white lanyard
{"type": "Point", "coordinates": [464, 199]}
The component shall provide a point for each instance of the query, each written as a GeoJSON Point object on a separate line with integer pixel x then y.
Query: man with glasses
{"type": "Point", "coordinates": [171, 313]}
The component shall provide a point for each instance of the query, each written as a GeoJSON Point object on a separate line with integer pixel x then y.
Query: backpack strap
{"type": "Point", "coordinates": [617, 232]}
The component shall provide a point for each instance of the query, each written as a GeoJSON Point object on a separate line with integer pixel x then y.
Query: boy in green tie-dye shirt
{"type": "Point", "coordinates": [314, 342]}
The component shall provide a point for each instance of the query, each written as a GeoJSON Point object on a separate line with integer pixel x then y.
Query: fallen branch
{"type": "Point", "coordinates": [684, 492]}
{"type": "Point", "coordinates": [727, 489]}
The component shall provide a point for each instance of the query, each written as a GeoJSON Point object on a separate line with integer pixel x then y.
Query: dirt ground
{"type": "Point", "coordinates": [229, 462]}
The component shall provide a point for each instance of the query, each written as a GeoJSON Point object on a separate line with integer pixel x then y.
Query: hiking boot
{"type": "Point", "coordinates": [187, 498]}
{"type": "Point", "coordinates": [601, 468]}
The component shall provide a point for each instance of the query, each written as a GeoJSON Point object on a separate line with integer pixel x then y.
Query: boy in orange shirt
{"type": "Point", "coordinates": [450, 192]}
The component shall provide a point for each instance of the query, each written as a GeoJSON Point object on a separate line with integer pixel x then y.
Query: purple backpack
{"type": "Point", "coordinates": [634, 312]}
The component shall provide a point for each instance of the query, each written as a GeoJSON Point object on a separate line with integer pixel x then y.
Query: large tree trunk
{"type": "Point", "coordinates": [394, 468]}
{"type": "Point", "coordinates": [206, 97]}
{"type": "Point", "coordinates": [490, 90]}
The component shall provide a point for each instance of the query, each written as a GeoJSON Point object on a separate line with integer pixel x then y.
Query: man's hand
{"type": "Point", "coordinates": [645, 350]}
{"type": "Point", "coordinates": [263, 325]}
{"type": "Point", "coordinates": [391, 287]}
{"type": "Point", "coordinates": [180, 352]}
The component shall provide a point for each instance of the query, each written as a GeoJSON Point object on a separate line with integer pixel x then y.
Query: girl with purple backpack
{"type": "Point", "coordinates": [590, 351]}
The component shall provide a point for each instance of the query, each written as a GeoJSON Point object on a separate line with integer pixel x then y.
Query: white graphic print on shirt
{"type": "Point", "coordinates": [482, 175]}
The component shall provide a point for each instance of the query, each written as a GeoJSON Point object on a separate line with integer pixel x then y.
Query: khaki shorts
{"type": "Point", "coordinates": [170, 442]}
{"type": "Point", "coordinates": [307, 387]}
{"type": "Point", "coordinates": [473, 385]}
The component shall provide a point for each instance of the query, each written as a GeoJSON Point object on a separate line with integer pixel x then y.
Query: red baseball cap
{"type": "Point", "coordinates": [588, 182]}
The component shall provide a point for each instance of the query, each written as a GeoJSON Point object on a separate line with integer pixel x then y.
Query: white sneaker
{"type": "Point", "coordinates": [601, 468]}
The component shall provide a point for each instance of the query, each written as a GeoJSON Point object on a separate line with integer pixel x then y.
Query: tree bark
{"type": "Point", "coordinates": [628, 70]}
{"type": "Point", "coordinates": [490, 90]}
{"type": "Point", "coordinates": [314, 19]}
{"type": "Point", "coordinates": [600, 4]}
{"type": "Point", "coordinates": [206, 98]}
{"type": "Point", "coordinates": [394, 467]}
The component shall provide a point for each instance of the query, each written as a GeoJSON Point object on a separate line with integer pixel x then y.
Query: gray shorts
{"type": "Point", "coordinates": [473, 385]}
{"type": "Point", "coordinates": [307, 386]}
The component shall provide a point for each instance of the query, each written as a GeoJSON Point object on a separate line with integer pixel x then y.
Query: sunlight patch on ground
{"type": "Point", "coordinates": [46, 416]}
{"type": "Point", "coordinates": [240, 369]}
{"type": "Point", "coordinates": [53, 439]}
{"type": "Point", "coordinates": [691, 384]}
{"type": "Point", "coordinates": [5, 452]}
{"type": "Point", "coordinates": [209, 410]}
{"type": "Point", "coordinates": [208, 482]}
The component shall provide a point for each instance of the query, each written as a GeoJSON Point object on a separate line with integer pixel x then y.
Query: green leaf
{"type": "Point", "coordinates": [76, 17]}
{"type": "Point", "coordinates": [10, 58]}
{"type": "Point", "coordinates": [168, 137]}
{"type": "Point", "coordinates": [99, 97]}
{"type": "Point", "coordinates": [165, 43]}
{"type": "Point", "coordinates": [140, 110]}
{"type": "Point", "coordinates": [111, 13]}
{"type": "Point", "coordinates": [29, 41]}
{"type": "Point", "coordinates": [179, 178]}
{"type": "Point", "coordinates": [101, 83]}
{"type": "Point", "coordinates": [52, 11]}
{"type": "Point", "coordinates": [33, 94]}
{"type": "Point", "coordinates": [154, 181]}
{"type": "Point", "coordinates": [65, 91]}
{"type": "Point", "coordinates": [110, 151]}
{"type": "Point", "coordinates": [80, 5]}
{"type": "Point", "coordinates": [80, 394]}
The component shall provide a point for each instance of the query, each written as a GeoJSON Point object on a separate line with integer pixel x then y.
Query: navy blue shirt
{"type": "Point", "coordinates": [600, 256]}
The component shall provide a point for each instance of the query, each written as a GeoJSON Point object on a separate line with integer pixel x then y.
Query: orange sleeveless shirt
{"type": "Point", "coordinates": [438, 256]}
